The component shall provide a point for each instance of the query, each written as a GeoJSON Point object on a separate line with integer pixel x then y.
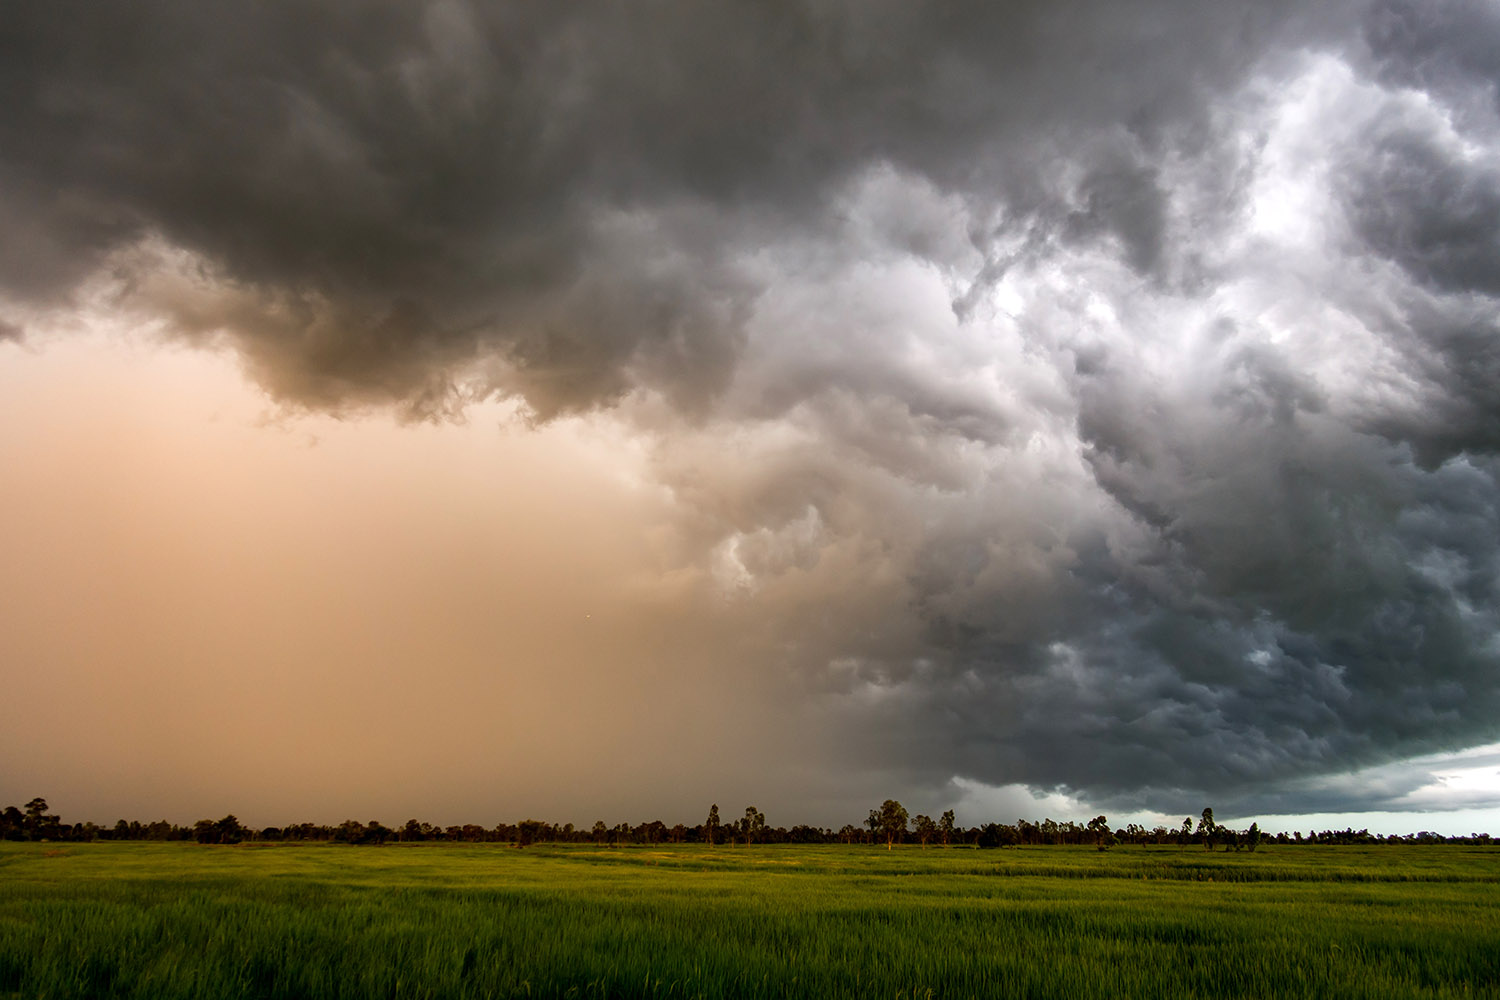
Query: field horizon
{"type": "Point", "coordinates": [260, 920]}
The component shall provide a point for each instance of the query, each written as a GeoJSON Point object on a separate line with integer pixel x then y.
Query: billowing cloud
{"type": "Point", "coordinates": [384, 194]}
{"type": "Point", "coordinates": [1100, 397]}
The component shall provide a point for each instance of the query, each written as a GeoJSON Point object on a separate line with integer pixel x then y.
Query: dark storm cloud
{"type": "Point", "coordinates": [1431, 209]}
{"type": "Point", "coordinates": [1293, 598]}
{"type": "Point", "coordinates": [1422, 193]}
{"type": "Point", "coordinates": [401, 188]}
{"type": "Point", "coordinates": [1123, 199]}
{"type": "Point", "coordinates": [1425, 784]}
{"type": "Point", "coordinates": [1447, 47]}
{"type": "Point", "coordinates": [1004, 396]}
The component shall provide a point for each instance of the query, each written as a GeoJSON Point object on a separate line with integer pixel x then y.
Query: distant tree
{"type": "Point", "coordinates": [945, 827]}
{"type": "Point", "coordinates": [1207, 829]}
{"type": "Point", "coordinates": [753, 824]}
{"type": "Point", "coordinates": [600, 831]}
{"type": "Point", "coordinates": [1185, 834]}
{"type": "Point", "coordinates": [872, 822]}
{"type": "Point", "coordinates": [38, 824]}
{"type": "Point", "coordinates": [711, 828]}
{"type": "Point", "coordinates": [1104, 839]}
{"type": "Point", "coordinates": [224, 831]}
{"type": "Point", "coordinates": [925, 828]}
{"type": "Point", "coordinates": [350, 831]}
{"type": "Point", "coordinates": [527, 832]}
{"type": "Point", "coordinates": [891, 821]}
{"type": "Point", "coordinates": [1252, 837]}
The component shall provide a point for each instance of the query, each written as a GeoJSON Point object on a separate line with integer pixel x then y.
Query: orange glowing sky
{"type": "Point", "coordinates": [210, 605]}
{"type": "Point", "coordinates": [467, 409]}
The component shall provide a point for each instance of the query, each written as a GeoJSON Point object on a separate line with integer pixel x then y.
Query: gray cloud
{"type": "Point", "coordinates": [1095, 396]}
{"type": "Point", "coordinates": [1450, 48]}
{"type": "Point", "coordinates": [400, 188]}
{"type": "Point", "coordinates": [1420, 194]}
{"type": "Point", "coordinates": [1430, 783]}
{"type": "Point", "coordinates": [1432, 210]}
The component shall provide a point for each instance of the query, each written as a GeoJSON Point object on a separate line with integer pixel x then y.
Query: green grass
{"type": "Point", "coordinates": [315, 921]}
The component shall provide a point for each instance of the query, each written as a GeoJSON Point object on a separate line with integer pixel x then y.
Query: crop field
{"type": "Point", "coordinates": [427, 920]}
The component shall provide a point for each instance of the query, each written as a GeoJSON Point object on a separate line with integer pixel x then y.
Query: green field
{"type": "Point", "coordinates": [427, 920]}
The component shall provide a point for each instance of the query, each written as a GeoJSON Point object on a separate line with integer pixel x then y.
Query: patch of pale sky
{"type": "Point", "coordinates": [1461, 795]}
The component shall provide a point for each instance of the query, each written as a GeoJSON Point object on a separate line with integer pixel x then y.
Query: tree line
{"type": "Point", "coordinates": [888, 826]}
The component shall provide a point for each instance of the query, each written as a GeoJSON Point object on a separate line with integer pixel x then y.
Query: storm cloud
{"type": "Point", "coordinates": [1101, 397]}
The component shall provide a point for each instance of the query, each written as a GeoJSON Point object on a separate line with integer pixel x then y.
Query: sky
{"type": "Point", "coordinates": [478, 410]}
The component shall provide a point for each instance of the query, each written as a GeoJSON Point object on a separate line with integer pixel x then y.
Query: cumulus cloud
{"type": "Point", "coordinates": [400, 189]}
{"type": "Point", "coordinates": [1100, 397]}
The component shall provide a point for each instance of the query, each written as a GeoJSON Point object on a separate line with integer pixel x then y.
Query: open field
{"type": "Point", "coordinates": [314, 921]}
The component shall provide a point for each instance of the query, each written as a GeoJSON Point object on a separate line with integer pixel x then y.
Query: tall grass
{"type": "Point", "coordinates": [178, 920]}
